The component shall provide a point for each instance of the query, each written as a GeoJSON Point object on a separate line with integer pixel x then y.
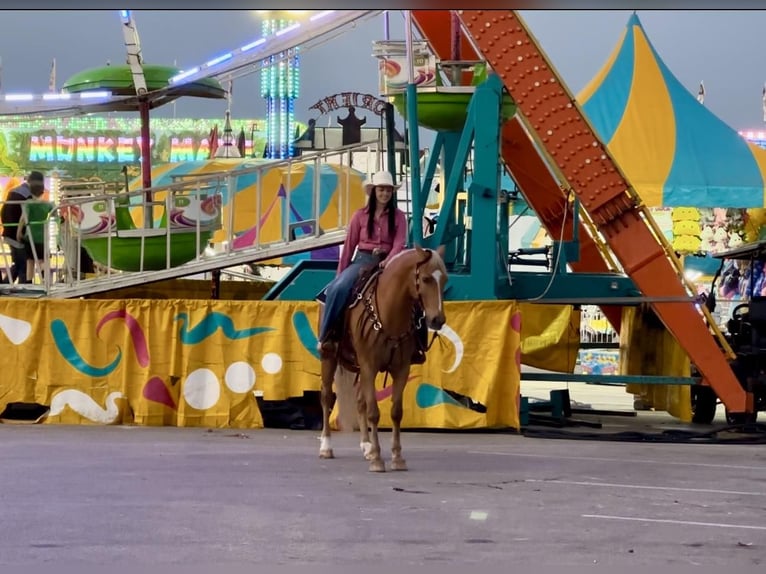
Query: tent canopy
{"type": "Point", "coordinates": [673, 150]}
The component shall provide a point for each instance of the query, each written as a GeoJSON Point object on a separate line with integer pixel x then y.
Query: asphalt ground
{"type": "Point", "coordinates": [221, 500]}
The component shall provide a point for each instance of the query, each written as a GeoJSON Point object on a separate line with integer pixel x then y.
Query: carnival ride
{"type": "Point", "coordinates": [601, 228]}
{"type": "Point", "coordinates": [123, 245]}
{"type": "Point", "coordinates": [521, 118]}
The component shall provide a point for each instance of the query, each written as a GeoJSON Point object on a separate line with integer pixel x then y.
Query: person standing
{"type": "Point", "coordinates": [31, 229]}
{"type": "Point", "coordinates": [10, 215]}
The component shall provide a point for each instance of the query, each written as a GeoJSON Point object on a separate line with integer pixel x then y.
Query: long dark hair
{"type": "Point", "coordinates": [372, 206]}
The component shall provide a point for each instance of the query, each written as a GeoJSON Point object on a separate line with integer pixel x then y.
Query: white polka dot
{"type": "Point", "coordinates": [240, 377]}
{"type": "Point", "coordinates": [202, 389]}
{"type": "Point", "coordinates": [271, 363]}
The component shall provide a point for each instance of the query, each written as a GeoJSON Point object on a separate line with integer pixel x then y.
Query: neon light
{"type": "Point", "coordinates": [57, 96]}
{"type": "Point", "coordinates": [218, 60]}
{"type": "Point", "coordinates": [181, 149]}
{"type": "Point", "coordinates": [203, 151]}
{"type": "Point", "coordinates": [95, 95]}
{"type": "Point", "coordinates": [186, 74]}
{"type": "Point", "coordinates": [104, 150]}
{"type": "Point", "coordinates": [65, 147]}
{"type": "Point", "coordinates": [280, 87]}
{"type": "Point", "coordinates": [86, 149]}
{"type": "Point", "coordinates": [126, 151]}
{"type": "Point", "coordinates": [288, 29]}
{"type": "Point", "coordinates": [114, 140]}
{"type": "Point", "coordinates": [125, 14]}
{"type": "Point", "coordinates": [19, 97]}
{"type": "Point", "coordinates": [252, 45]}
{"type": "Point", "coordinates": [41, 148]}
{"type": "Point", "coordinates": [321, 15]}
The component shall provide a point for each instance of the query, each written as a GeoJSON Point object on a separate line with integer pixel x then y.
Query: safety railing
{"type": "Point", "coordinates": [188, 226]}
{"type": "Point", "coordinates": [595, 330]}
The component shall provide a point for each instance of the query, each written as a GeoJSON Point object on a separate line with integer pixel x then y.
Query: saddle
{"type": "Point", "coordinates": [339, 329]}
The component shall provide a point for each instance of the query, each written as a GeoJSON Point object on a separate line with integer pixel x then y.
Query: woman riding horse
{"type": "Point", "coordinates": [382, 329]}
{"type": "Point", "coordinates": [378, 232]}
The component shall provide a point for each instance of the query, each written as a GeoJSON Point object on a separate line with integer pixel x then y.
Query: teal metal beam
{"type": "Point", "coordinates": [527, 285]}
{"type": "Point", "coordinates": [414, 143]}
{"type": "Point", "coordinates": [610, 379]}
{"type": "Point", "coordinates": [304, 280]}
{"type": "Point", "coordinates": [455, 179]}
{"type": "Point", "coordinates": [390, 140]}
{"type": "Point", "coordinates": [487, 264]}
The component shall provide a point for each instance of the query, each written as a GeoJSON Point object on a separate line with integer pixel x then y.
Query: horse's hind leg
{"type": "Point", "coordinates": [329, 364]}
{"type": "Point", "coordinates": [397, 411]}
{"type": "Point", "coordinates": [367, 387]}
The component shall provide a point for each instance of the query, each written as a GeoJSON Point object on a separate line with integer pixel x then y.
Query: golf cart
{"type": "Point", "coordinates": [741, 283]}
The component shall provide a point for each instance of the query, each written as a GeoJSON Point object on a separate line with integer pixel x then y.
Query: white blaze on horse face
{"type": "Point", "coordinates": [437, 275]}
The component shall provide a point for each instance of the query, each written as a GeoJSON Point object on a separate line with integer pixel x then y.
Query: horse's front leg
{"type": "Point", "coordinates": [364, 428]}
{"type": "Point", "coordinates": [367, 388]}
{"type": "Point", "coordinates": [399, 377]}
{"type": "Point", "coordinates": [329, 364]}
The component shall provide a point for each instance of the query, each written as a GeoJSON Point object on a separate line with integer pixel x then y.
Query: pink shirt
{"type": "Point", "coordinates": [381, 239]}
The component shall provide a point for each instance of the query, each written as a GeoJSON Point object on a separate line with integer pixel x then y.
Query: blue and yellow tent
{"type": "Point", "coordinates": [673, 149]}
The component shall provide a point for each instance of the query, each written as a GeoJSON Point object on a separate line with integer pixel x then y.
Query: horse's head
{"type": "Point", "coordinates": [420, 275]}
{"type": "Point", "coordinates": [428, 287]}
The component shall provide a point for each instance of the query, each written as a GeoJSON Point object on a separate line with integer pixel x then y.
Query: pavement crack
{"type": "Point", "coordinates": [493, 485]}
{"type": "Point", "coordinates": [408, 491]}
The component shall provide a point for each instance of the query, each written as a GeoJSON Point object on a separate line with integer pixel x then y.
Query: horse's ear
{"type": "Point", "coordinates": [419, 249]}
{"type": "Point", "coordinates": [441, 250]}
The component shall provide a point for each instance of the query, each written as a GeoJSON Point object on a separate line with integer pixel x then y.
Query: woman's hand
{"type": "Point", "coordinates": [382, 264]}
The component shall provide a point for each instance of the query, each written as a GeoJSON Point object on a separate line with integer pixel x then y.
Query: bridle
{"type": "Point", "coordinates": [370, 303]}
{"type": "Point", "coordinates": [418, 265]}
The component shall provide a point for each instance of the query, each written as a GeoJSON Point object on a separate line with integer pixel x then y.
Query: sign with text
{"type": "Point", "coordinates": [94, 145]}
{"type": "Point", "coordinates": [349, 100]}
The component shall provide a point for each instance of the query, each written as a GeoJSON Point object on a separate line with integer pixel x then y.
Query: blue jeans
{"type": "Point", "coordinates": [339, 289]}
{"type": "Point", "coordinates": [19, 259]}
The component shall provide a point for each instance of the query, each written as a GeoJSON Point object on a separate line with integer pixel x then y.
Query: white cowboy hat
{"type": "Point", "coordinates": [382, 178]}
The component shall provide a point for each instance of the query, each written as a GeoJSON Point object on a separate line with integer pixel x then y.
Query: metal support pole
{"type": "Point", "coordinates": [146, 162]}
{"type": "Point", "coordinates": [388, 112]}
{"type": "Point", "coordinates": [412, 122]}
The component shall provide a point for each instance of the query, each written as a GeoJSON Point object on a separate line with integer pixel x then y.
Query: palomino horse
{"type": "Point", "coordinates": [380, 336]}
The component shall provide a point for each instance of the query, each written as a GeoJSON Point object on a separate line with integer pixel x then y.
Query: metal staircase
{"type": "Point", "coordinates": [112, 223]}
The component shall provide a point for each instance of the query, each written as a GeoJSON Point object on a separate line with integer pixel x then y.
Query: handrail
{"type": "Point", "coordinates": [72, 237]}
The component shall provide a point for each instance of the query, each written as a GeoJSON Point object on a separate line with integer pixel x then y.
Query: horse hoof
{"type": "Point", "coordinates": [326, 453]}
{"type": "Point", "coordinates": [399, 464]}
{"type": "Point", "coordinates": [377, 465]}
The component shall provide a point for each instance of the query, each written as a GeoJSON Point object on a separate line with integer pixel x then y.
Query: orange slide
{"type": "Point", "coordinates": [526, 167]}
{"type": "Point", "coordinates": [586, 166]}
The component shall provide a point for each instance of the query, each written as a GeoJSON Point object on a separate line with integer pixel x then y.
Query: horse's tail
{"type": "Point", "coordinates": [345, 398]}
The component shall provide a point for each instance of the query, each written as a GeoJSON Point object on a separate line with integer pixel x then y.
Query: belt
{"type": "Point", "coordinates": [372, 252]}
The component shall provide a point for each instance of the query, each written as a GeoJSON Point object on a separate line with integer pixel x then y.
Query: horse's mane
{"type": "Point", "coordinates": [409, 251]}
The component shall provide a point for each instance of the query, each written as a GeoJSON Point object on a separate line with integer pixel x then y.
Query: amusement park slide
{"type": "Point", "coordinates": [562, 132]}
